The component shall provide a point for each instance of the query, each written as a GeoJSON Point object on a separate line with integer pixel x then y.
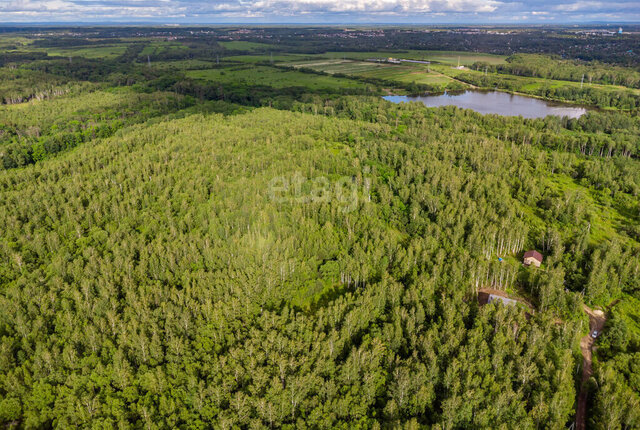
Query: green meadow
{"type": "Point", "coordinates": [274, 77]}
{"type": "Point", "coordinates": [158, 47]}
{"type": "Point", "coordinates": [443, 57]}
{"type": "Point", "coordinates": [239, 45]}
{"type": "Point", "coordinates": [99, 51]}
{"type": "Point", "coordinates": [405, 73]}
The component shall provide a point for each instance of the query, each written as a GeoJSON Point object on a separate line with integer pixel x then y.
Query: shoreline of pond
{"type": "Point", "coordinates": [496, 102]}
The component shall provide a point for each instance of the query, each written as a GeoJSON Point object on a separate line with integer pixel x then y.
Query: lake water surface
{"type": "Point", "coordinates": [496, 102]}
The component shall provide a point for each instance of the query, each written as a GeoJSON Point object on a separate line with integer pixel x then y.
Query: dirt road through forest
{"type": "Point", "coordinates": [596, 322]}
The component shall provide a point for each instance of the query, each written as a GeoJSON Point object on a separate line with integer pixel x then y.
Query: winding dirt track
{"type": "Point", "coordinates": [596, 322]}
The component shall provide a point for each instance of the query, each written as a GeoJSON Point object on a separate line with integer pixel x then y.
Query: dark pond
{"type": "Point", "coordinates": [496, 102]}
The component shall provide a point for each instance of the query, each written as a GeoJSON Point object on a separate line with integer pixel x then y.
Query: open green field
{"type": "Point", "coordinates": [352, 64]}
{"type": "Point", "coordinates": [239, 45]}
{"type": "Point", "coordinates": [100, 51]}
{"type": "Point", "coordinates": [277, 58]}
{"type": "Point", "coordinates": [17, 41]}
{"type": "Point", "coordinates": [183, 64]}
{"type": "Point", "coordinates": [407, 72]}
{"type": "Point", "coordinates": [273, 77]}
{"type": "Point", "coordinates": [157, 47]}
{"type": "Point", "coordinates": [346, 64]}
{"type": "Point", "coordinates": [443, 57]}
{"type": "Point", "coordinates": [466, 58]}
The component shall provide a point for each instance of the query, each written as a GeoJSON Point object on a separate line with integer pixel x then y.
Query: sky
{"type": "Point", "coordinates": [321, 11]}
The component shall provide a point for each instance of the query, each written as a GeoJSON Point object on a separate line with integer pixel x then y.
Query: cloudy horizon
{"type": "Point", "coordinates": [319, 11]}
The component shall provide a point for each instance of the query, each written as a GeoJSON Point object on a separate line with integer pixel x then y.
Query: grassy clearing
{"type": "Point", "coordinates": [240, 45]}
{"type": "Point", "coordinates": [466, 58]}
{"type": "Point", "coordinates": [352, 64]}
{"type": "Point", "coordinates": [183, 64]}
{"type": "Point", "coordinates": [270, 76]}
{"type": "Point", "coordinates": [101, 51]}
{"type": "Point", "coordinates": [157, 47]}
{"type": "Point", "coordinates": [418, 75]}
{"type": "Point", "coordinates": [406, 73]}
{"type": "Point", "coordinates": [443, 57]}
{"type": "Point", "coordinates": [629, 308]}
{"type": "Point", "coordinates": [279, 58]}
{"type": "Point", "coordinates": [606, 220]}
{"type": "Point", "coordinates": [11, 41]}
{"type": "Point", "coordinates": [349, 67]}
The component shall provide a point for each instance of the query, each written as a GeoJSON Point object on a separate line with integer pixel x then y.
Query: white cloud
{"type": "Point", "coordinates": [596, 6]}
{"type": "Point", "coordinates": [579, 6]}
{"type": "Point", "coordinates": [379, 6]}
{"type": "Point", "coordinates": [315, 10]}
{"type": "Point", "coordinates": [74, 10]}
{"type": "Point", "coordinates": [238, 8]}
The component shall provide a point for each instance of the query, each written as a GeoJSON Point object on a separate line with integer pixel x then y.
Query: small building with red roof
{"type": "Point", "coordinates": [532, 257]}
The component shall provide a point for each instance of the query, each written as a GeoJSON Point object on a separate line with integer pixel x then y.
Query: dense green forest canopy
{"type": "Point", "coordinates": [220, 228]}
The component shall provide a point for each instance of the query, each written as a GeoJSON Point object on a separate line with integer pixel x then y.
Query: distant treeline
{"type": "Point", "coordinates": [541, 66]}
